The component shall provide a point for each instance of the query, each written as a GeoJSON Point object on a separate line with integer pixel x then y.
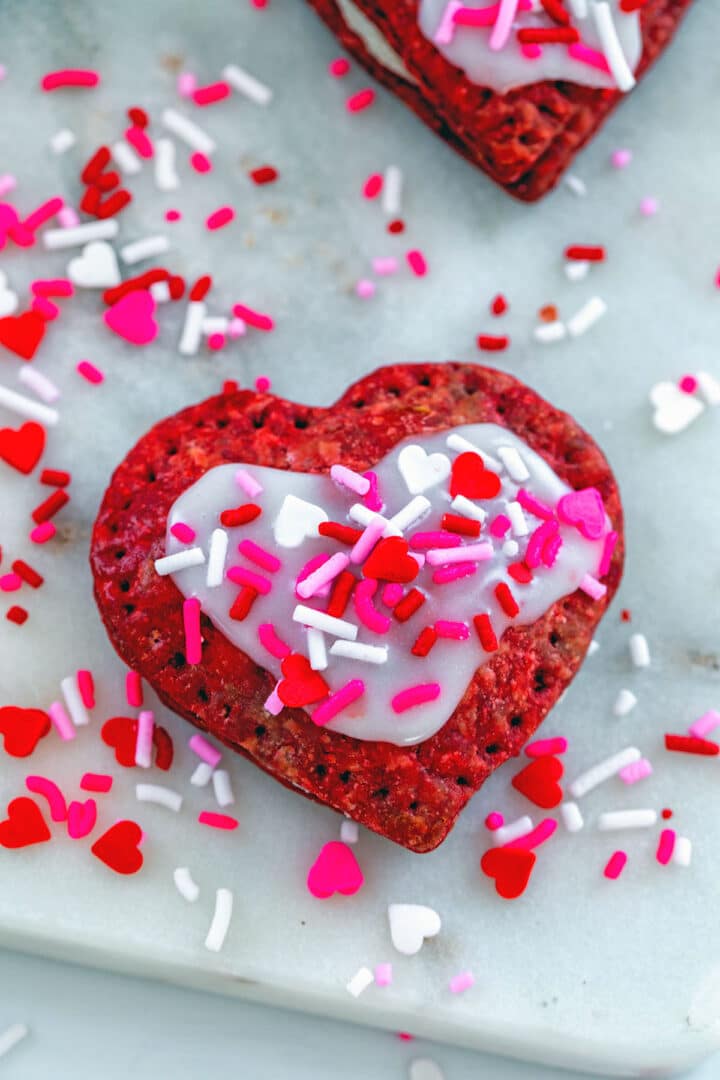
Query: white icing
{"type": "Point", "coordinates": [373, 40]}
{"type": "Point", "coordinates": [451, 663]}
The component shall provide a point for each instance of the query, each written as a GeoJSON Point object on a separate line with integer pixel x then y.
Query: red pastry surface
{"type": "Point", "coordinates": [525, 139]}
{"type": "Point", "coordinates": [412, 795]}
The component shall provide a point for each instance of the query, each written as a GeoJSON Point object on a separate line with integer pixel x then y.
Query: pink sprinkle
{"type": "Point", "coordinates": [216, 342]}
{"type": "Point", "coordinates": [469, 553]}
{"type": "Point", "coordinates": [544, 747]}
{"type": "Point", "coordinates": [373, 186]}
{"type": "Point", "coordinates": [218, 821]}
{"type": "Point", "coordinates": [592, 587]}
{"type": "Point", "coordinates": [367, 541]}
{"type": "Point", "coordinates": [494, 820]}
{"type": "Point", "coordinates": [455, 631]}
{"type": "Point", "coordinates": [186, 84]}
{"type": "Point", "coordinates": [208, 95]}
{"type": "Point", "coordinates": [220, 218]}
{"type": "Point", "coordinates": [688, 384]}
{"type": "Point", "coordinates": [537, 836]}
{"type": "Point", "coordinates": [96, 782]}
{"type": "Point", "coordinates": [270, 641]}
{"type": "Point", "coordinates": [253, 318]}
{"type": "Point", "coordinates": [384, 266]}
{"type": "Point", "coordinates": [339, 68]}
{"type": "Point", "coordinates": [620, 159]}
{"type": "Point", "coordinates": [447, 574]}
{"type": "Point", "coordinates": [62, 722]}
{"type": "Point", "coordinates": [459, 983]}
{"type": "Point", "coordinates": [273, 704]}
{"type": "Point", "coordinates": [133, 690]}
{"type": "Point", "coordinates": [360, 485]}
{"type": "Point", "coordinates": [615, 865]}
{"type": "Point", "coordinates": [531, 50]}
{"type": "Point", "coordinates": [392, 594]}
{"type": "Point", "coordinates": [42, 533]}
{"type": "Point", "coordinates": [10, 582]}
{"type": "Point", "coordinates": [536, 544]}
{"type": "Point", "coordinates": [240, 576]}
{"type": "Point", "coordinates": [533, 505]}
{"type": "Point", "coordinates": [636, 770]}
{"type": "Point", "coordinates": [338, 701]}
{"type": "Point", "coordinates": [54, 80]}
{"type": "Point", "coordinates": [309, 568]}
{"type": "Point", "coordinates": [405, 1036]}
{"type": "Point", "coordinates": [362, 100]}
{"type": "Point", "coordinates": [40, 785]}
{"type": "Point", "coordinates": [183, 532]}
{"type": "Point", "coordinates": [417, 263]}
{"type": "Point", "coordinates": [262, 384]}
{"type": "Point", "coordinates": [500, 525]}
{"type": "Point", "coordinates": [52, 287]}
{"type": "Point", "coordinates": [649, 206]}
{"type": "Point", "coordinates": [259, 556]}
{"type": "Point", "coordinates": [608, 548]}
{"type": "Point", "coordinates": [67, 217]}
{"type": "Point", "coordinates": [507, 9]}
{"type": "Point", "coordinates": [45, 307]}
{"type": "Point", "coordinates": [666, 846]}
{"type": "Point", "coordinates": [365, 288]}
{"type": "Point", "coordinates": [86, 688]}
{"type": "Point", "coordinates": [324, 574]}
{"type": "Point", "coordinates": [81, 818]}
{"type": "Point", "coordinates": [589, 56]}
{"type": "Point", "coordinates": [7, 183]}
{"type": "Point", "coordinates": [438, 539]}
{"type": "Point", "coordinates": [43, 213]}
{"type": "Point", "coordinates": [383, 974]}
{"type": "Point", "coordinates": [366, 612]}
{"type": "Point", "coordinates": [705, 724]}
{"type": "Point", "coordinates": [237, 329]}
{"type": "Point", "coordinates": [372, 499]}
{"type": "Point", "coordinates": [144, 739]}
{"type": "Point", "coordinates": [205, 750]}
{"type": "Point", "coordinates": [414, 696]}
{"type": "Point", "coordinates": [191, 624]}
{"type": "Point", "coordinates": [140, 141]}
{"type": "Point", "coordinates": [90, 372]}
{"type": "Point", "coordinates": [201, 163]}
{"type": "Point", "coordinates": [248, 483]}
{"type": "Point", "coordinates": [172, 215]}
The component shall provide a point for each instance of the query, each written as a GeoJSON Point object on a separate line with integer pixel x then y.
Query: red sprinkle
{"type": "Point", "coordinates": [96, 165]}
{"type": "Point", "coordinates": [112, 206]}
{"type": "Point", "coordinates": [339, 68]}
{"type": "Point", "coordinates": [585, 252]}
{"type": "Point", "coordinates": [17, 615]}
{"type": "Point", "coordinates": [409, 604]}
{"type": "Point", "coordinates": [220, 218]}
{"type": "Point", "coordinates": [506, 599]}
{"type": "Point", "coordinates": [520, 573]}
{"type": "Point", "coordinates": [424, 641]}
{"type": "Point", "coordinates": [243, 602]}
{"type": "Point", "coordinates": [688, 744]}
{"type": "Point", "coordinates": [208, 95]}
{"type": "Point", "coordinates": [140, 141]}
{"type": "Point", "coordinates": [628, 6]}
{"type": "Point", "coordinates": [373, 186]}
{"type": "Point", "coordinates": [485, 632]}
{"type": "Point", "coordinates": [54, 80]}
{"type": "Point", "coordinates": [556, 11]}
{"type": "Point", "coordinates": [625, 615]}
{"type": "Point", "coordinates": [201, 287]}
{"type": "Point", "coordinates": [142, 281]}
{"type": "Point", "coordinates": [464, 526]}
{"type": "Point", "coordinates": [341, 593]}
{"type": "Point", "coordinates": [499, 305]}
{"type": "Point", "coordinates": [345, 534]}
{"type": "Point", "coordinates": [138, 117]}
{"type": "Point", "coordinates": [253, 318]}
{"type": "Point", "coordinates": [266, 174]}
{"type": "Point", "coordinates": [29, 576]}
{"type": "Point", "coordinates": [397, 226]}
{"type": "Point", "coordinates": [548, 35]}
{"type": "Point", "coordinates": [55, 477]}
{"type": "Point", "coordinates": [241, 515]}
{"type": "Point", "coordinates": [362, 100]}
{"type": "Point", "coordinates": [50, 506]}
{"type": "Point", "coordinates": [96, 782]}
{"type": "Point", "coordinates": [666, 814]}
{"type": "Point", "coordinates": [217, 821]}
{"type": "Point", "coordinates": [493, 342]}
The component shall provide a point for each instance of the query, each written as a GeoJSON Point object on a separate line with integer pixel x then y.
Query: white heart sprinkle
{"type": "Point", "coordinates": [95, 268]}
{"type": "Point", "coordinates": [674, 409]}
{"type": "Point", "coordinates": [421, 470]}
{"type": "Point", "coordinates": [296, 520]}
{"type": "Point", "coordinates": [425, 1069]}
{"type": "Point", "coordinates": [709, 387]}
{"type": "Point", "coordinates": [410, 924]}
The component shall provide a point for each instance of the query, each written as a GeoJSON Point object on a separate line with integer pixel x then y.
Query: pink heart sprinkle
{"type": "Point", "coordinates": [132, 317]}
{"type": "Point", "coordinates": [335, 870]}
{"type": "Point", "coordinates": [585, 510]}
{"type": "Point", "coordinates": [81, 818]}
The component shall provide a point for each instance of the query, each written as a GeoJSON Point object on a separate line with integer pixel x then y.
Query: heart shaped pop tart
{"type": "Point", "coordinates": [516, 86]}
{"type": "Point", "coordinates": [417, 681]}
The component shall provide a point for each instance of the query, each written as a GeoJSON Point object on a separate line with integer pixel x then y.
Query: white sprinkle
{"type": "Point", "coordinates": [160, 292]}
{"type": "Point", "coordinates": [513, 462]}
{"type": "Point", "coordinates": [185, 884]}
{"type": "Point", "coordinates": [217, 552]}
{"type": "Point", "coordinates": [521, 827]}
{"type": "Point", "coordinates": [188, 131]}
{"type": "Point", "coordinates": [576, 185]}
{"type": "Point", "coordinates": [464, 446]}
{"type": "Point", "coordinates": [349, 831]}
{"type": "Point", "coordinates": [166, 177]}
{"type": "Point", "coordinates": [360, 981]}
{"type": "Point", "coordinates": [74, 702]}
{"type": "Point", "coordinates": [510, 549]}
{"type": "Point", "coordinates": [464, 506]}
{"type": "Point", "coordinates": [181, 560]}
{"type": "Point", "coordinates": [125, 158]}
{"type": "Point", "coordinates": [577, 269]}
{"type": "Point", "coordinates": [27, 407]}
{"type": "Point", "coordinates": [625, 702]}
{"type": "Point", "coordinates": [202, 774]}
{"type": "Point", "coordinates": [603, 771]}
{"type": "Point", "coordinates": [62, 141]}
{"type": "Point", "coordinates": [362, 516]}
{"type": "Point", "coordinates": [411, 513]}
{"type": "Point", "coordinates": [57, 239]}
{"type": "Point", "coordinates": [517, 519]}
{"type": "Point", "coordinates": [593, 647]}
{"type": "Point", "coordinates": [355, 650]}
{"type": "Point", "coordinates": [162, 796]}
{"type": "Point", "coordinates": [639, 651]}
{"type": "Point", "coordinates": [11, 1037]}
{"type": "Point", "coordinates": [709, 387]}
{"type": "Point", "coordinates": [192, 328]}
{"type": "Point", "coordinates": [247, 84]}
{"type": "Point", "coordinates": [611, 47]}
{"type": "Point", "coordinates": [38, 383]}
{"type": "Point", "coordinates": [571, 816]}
{"type": "Point", "coordinates": [220, 921]}
{"type": "Point", "coordinates": [548, 333]}
{"type": "Point", "coordinates": [579, 8]}
{"type": "Point", "coordinates": [391, 198]}
{"type": "Point", "coordinates": [682, 852]}
{"type": "Point", "coordinates": [147, 248]}
{"type": "Point", "coordinates": [317, 653]}
{"type": "Point", "coordinates": [222, 788]}
{"type": "Point", "coordinates": [215, 324]}
{"type": "Point", "coordinates": [248, 483]}
{"type": "Point", "coordinates": [8, 183]}
{"type": "Point", "coordinates": [327, 623]}
{"type": "Point", "coordinates": [425, 1069]}
{"type": "Point", "coordinates": [627, 819]}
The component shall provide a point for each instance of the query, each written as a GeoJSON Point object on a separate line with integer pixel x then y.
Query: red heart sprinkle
{"type": "Point", "coordinates": [24, 825]}
{"type": "Point", "coordinates": [538, 782]}
{"type": "Point", "coordinates": [471, 479]}
{"type": "Point", "coordinates": [119, 847]}
{"type": "Point", "coordinates": [511, 869]}
{"type": "Point", "coordinates": [300, 685]}
{"type": "Point", "coordinates": [389, 561]}
{"type": "Point", "coordinates": [22, 334]}
{"type": "Point", "coordinates": [23, 729]}
{"type": "Point", "coordinates": [120, 733]}
{"type": "Point", "coordinates": [22, 448]}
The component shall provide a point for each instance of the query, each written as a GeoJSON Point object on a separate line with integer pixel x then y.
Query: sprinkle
{"type": "Point", "coordinates": [220, 921]}
{"type": "Point", "coordinates": [385, 266]}
{"type": "Point", "coordinates": [506, 834]}
{"type": "Point", "coordinates": [220, 218]}
{"type": "Point", "coordinates": [62, 141]}
{"type": "Point", "coordinates": [350, 834]}
{"type": "Point", "coordinates": [585, 55]}
{"type": "Point", "coordinates": [459, 524]}
{"type": "Point", "coordinates": [50, 506]}
{"type": "Point", "coordinates": [709, 387]}
{"type": "Point", "coordinates": [125, 158]}
{"type": "Point", "coordinates": [327, 623]}
{"type": "Point", "coordinates": [339, 67]}
{"type": "Point", "coordinates": [363, 99]}
{"type": "Point", "coordinates": [17, 615]}
{"type": "Point", "coordinates": [222, 788]}
{"type": "Point", "coordinates": [86, 686]}
{"type": "Point", "coordinates": [461, 982]}
{"type": "Point", "coordinates": [372, 186]}
{"type": "Point", "coordinates": [216, 558]}
{"type": "Point", "coordinates": [586, 317]}
{"type": "Point", "coordinates": [626, 819]}
{"type": "Point", "coordinates": [407, 607]}
{"type": "Point", "coordinates": [688, 744]}
{"type": "Point", "coordinates": [615, 865]}
{"type": "Point", "coordinates": [54, 80]}
{"type": "Point", "coordinates": [317, 651]}
{"type": "Point", "coordinates": [192, 328]}
{"type": "Point", "coordinates": [39, 384]}
{"type": "Point", "coordinates": [507, 10]}
{"type": "Point", "coordinates": [575, 184]}
{"type": "Point", "coordinates": [417, 263]}
{"type": "Point", "coordinates": [616, 59]}
{"type": "Point", "coordinates": [462, 554]}
{"type": "Point", "coordinates": [620, 159]}
{"type": "Point", "coordinates": [26, 573]}
{"type": "Point", "coordinates": [383, 972]}
{"type": "Point", "coordinates": [424, 641]}
{"type": "Point", "coordinates": [585, 252]}
{"type": "Point", "coordinates": [191, 624]}
{"type": "Point", "coordinates": [209, 95]}
{"type": "Point", "coordinates": [494, 820]}
{"type": "Point", "coordinates": [240, 576]}
{"type": "Point", "coordinates": [682, 851]}
{"type": "Point", "coordinates": [544, 747]}
{"type": "Point", "coordinates": [571, 816]}
{"type": "Point", "coordinates": [243, 603]}
{"type": "Point", "coordinates": [62, 722]}
{"type": "Point", "coordinates": [247, 85]}
{"type": "Point", "coordinates": [604, 770]}
{"type": "Point", "coordinates": [365, 289]}
{"type": "Point", "coordinates": [506, 600]}
{"type": "Point", "coordinates": [485, 632]}
{"type": "Point", "coordinates": [649, 206]}
{"type": "Point", "coordinates": [625, 702]}
{"type": "Point", "coordinates": [248, 483]}
{"type": "Point", "coordinates": [185, 884]}
{"type": "Point", "coordinates": [188, 131]}
{"type": "Point", "coordinates": [240, 515]}
{"type": "Point", "coordinates": [74, 701]}
{"type": "Point", "coordinates": [638, 770]}
{"type": "Point", "coordinates": [162, 796]}
{"type": "Point", "coordinates": [410, 514]}
{"type": "Point", "coordinates": [90, 372]}
{"type": "Point", "coordinates": [414, 696]}
{"type": "Point", "coordinates": [344, 534]}
{"type": "Point", "coordinates": [27, 407]}
{"type": "Point", "coordinates": [202, 775]}
{"type": "Point", "coordinates": [338, 701]}
{"type": "Point", "coordinates": [11, 1036]}
{"type": "Point", "coordinates": [253, 318]}
{"type": "Point", "coordinates": [592, 587]}
{"type": "Point", "coordinates": [468, 508]}
{"type": "Point", "coordinates": [640, 651]}
{"type": "Point", "coordinates": [446, 574]}
{"type": "Point", "coordinates": [98, 782]}
{"type": "Point", "coordinates": [666, 846]}
{"type": "Point", "coordinates": [363, 593]}
{"type": "Point", "coordinates": [705, 724]}
{"type": "Point", "coordinates": [270, 641]}
{"type": "Point", "coordinates": [218, 821]}
{"type": "Point", "coordinates": [205, 750]}
{"type": "Point", "coordinates": [493, 342]}
{"type": "Point", "coordinates": [42, 533]}
{"type": "Point", "coordinates": [180, 560]}
{"type": "Point", "coordinates": [40, 785]}
{"type": "Point", "coordinates": [360, 981]}
{"type": "Point", "coordinates": [183, 532]}
{"type": "Point", "coordinates": [341, 593]}
{"type": "Point", "coordinates": [58, 239]}
{"type": "Point", "coordinates": [392, 191]}
{"type": "Point", "coordinates": [351, 650]}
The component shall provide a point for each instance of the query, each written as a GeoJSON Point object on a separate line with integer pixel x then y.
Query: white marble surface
{"type": "Point", "coordinates": [625, 964]}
